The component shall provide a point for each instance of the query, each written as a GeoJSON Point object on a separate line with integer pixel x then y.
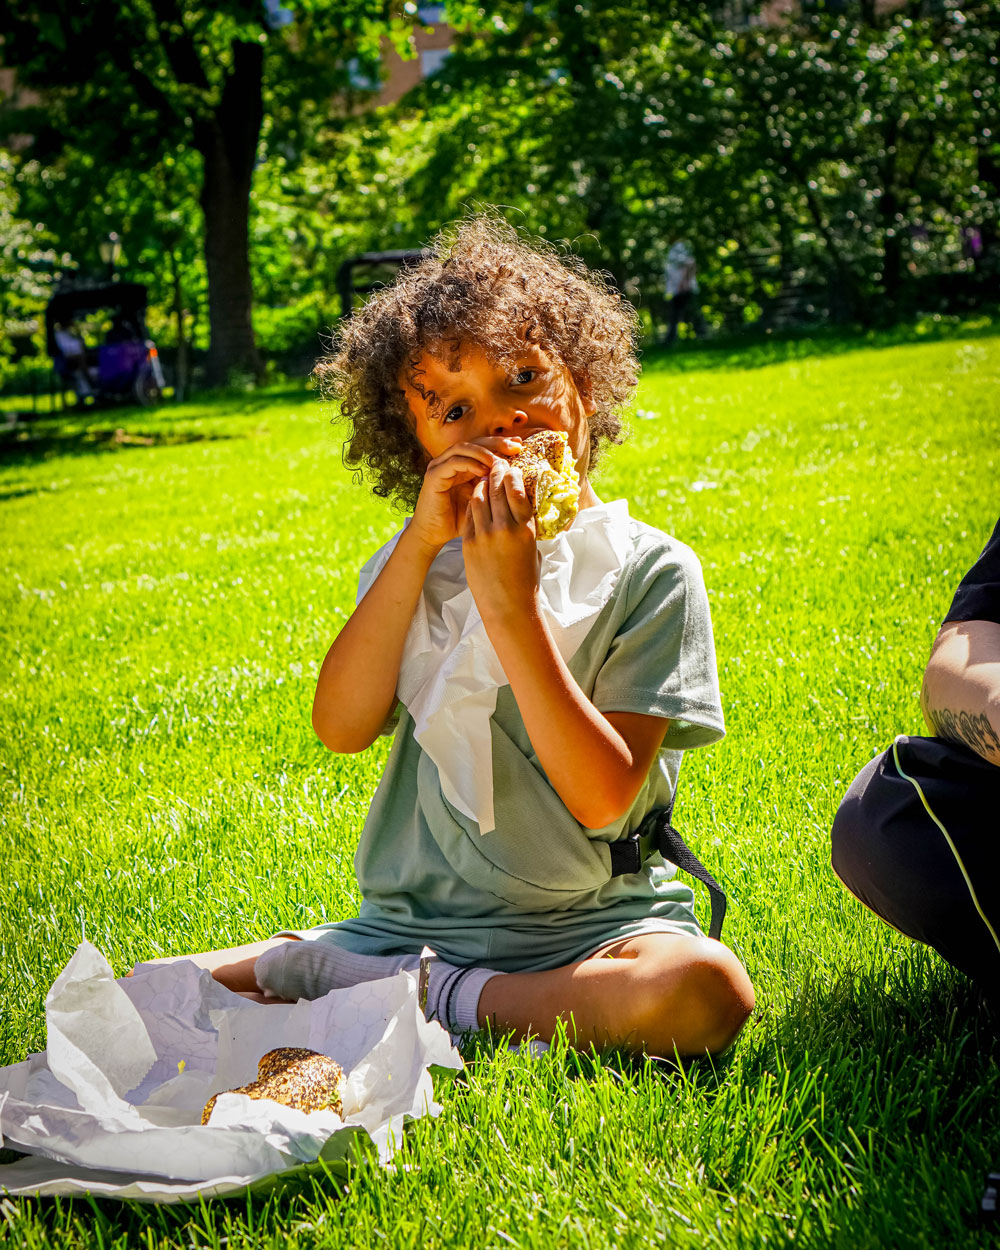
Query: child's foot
{"type": "Point", "coordinates": [311, 969]}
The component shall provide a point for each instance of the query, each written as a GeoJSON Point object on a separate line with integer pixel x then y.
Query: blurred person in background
{"type": "Point", "coordinates": [74, 353]}
{"type": "Point", "coordinates": [680, 277]}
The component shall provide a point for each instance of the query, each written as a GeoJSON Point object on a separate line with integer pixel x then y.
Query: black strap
{"type": "Point", "coordinates": [656, 833]}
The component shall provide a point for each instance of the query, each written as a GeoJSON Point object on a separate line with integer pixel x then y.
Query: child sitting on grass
{"type": "Point", "coordinates": [540, 694]}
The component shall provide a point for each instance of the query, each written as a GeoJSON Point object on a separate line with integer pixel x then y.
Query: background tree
{"type": "Point", "coordinates": [28, 260]}
{"type": "Point", "coordinates": [826, 163]}
{"type": "Point", "coordinates": [129, 81]}
{"type": "Point", "coordinates": [834, 152]}
{"type": "Point", "coordinates": [82, 201]}
{"type": "Point", "coordinates": [860, 125]}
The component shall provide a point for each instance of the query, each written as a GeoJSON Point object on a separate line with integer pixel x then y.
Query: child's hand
{"type": "Point", "coordinates": [449, 481]}
{"type": "Point", "coordinates": [498, 542]}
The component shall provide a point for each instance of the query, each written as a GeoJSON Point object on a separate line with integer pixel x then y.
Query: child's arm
{"type": "Point", "coordinates": [596, 763]}
{"type": "Point", "coordinates": [356, 691]}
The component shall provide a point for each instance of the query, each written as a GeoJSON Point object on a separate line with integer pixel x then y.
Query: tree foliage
{"type": "Point", "coordinates": [131, 81]}
{"type": "Point", "coordinates": [840, 153]}
{"type": "Point", "coordinates": [833, 158]}
{"type": "Point", "coordinates": [28, 260]}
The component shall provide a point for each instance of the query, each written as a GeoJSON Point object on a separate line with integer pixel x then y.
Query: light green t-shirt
{"type": "Point", "coordinates": [537, 891]}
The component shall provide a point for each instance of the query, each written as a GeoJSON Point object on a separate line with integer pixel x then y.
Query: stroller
{"type": "Point", "coordinates": [125, 366]}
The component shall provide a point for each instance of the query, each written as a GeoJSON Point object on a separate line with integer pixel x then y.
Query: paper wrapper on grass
{"type": "Point", "coordinates": [550, 479]}
{"type": "Point", "coordinates": [114, 1105]}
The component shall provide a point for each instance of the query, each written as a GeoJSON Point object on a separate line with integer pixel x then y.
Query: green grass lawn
{"type": "Point", "coordinates": [172, 581]}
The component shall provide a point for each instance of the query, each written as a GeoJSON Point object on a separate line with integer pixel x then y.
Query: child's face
{"type": "Point", "coordinates": [464, 396]}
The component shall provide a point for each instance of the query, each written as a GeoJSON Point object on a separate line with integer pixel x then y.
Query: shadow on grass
{"type": "Point", "coordinates": [43, 440]}
{"type": "Point", "coordinates": [483, 1049]}
{"type": "Point", "coordinates": [907, 1055]}
{"type": "Point", "coordinates": [29, 438]}
{"type": "Point", "coordinates": [271, 1197]}
{"type": "Point", "coordinates": [223, 402]}
{"type": "Point", "coordinates": [89, 1220]}
{"type": "Point", "coordinates": [753, 351]}
{"type": "Point", "coordinates": [889, 1066]}
{"type": "Point", "coordinates": [227, 404]}
{"type": "Point", "coordinates": [915, 1007]}
{"type": "Point", "coordinates": [908, 1079]}
{"type": "Point", "coordinates": [919, 1028]}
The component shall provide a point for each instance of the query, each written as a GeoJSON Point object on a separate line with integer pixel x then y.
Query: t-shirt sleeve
{"type": "Point", "coordinates": [662, 659]}
{"type": "Point", "coordinates": [978, 594]}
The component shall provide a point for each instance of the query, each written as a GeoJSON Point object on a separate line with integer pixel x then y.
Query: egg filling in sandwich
{"type": "Point", "coordinates": [550, 479]}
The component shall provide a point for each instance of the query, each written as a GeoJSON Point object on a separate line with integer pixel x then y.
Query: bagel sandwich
{"type": "Point", "coordinates": [550, 479]}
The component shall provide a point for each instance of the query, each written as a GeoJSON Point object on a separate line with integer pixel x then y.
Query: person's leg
{"type": "Point", "coordinates": [232, 967]}
{"type": "Point", "coordinates": [284, 969]}
{"type": "Point", "coordinates": [917, 840]}
{"type": "Point", "coordinates": [294, 970]}
{"type": "Point", "coordinates": [673, 313]}
{"type": "Point", "coordinates": [656, 994]}
{"type": "Point", "coordinates": [680, 311]}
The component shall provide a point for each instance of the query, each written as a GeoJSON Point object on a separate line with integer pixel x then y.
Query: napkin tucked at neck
{"type": "Point", "coordinates": [450, 674]}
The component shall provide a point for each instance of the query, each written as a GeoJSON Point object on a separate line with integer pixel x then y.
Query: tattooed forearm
{"type": "Point", "coordinates": [971, 728]}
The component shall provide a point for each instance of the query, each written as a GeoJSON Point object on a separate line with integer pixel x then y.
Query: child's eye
{"type": "Point", "coordinates": [524, 376]}
{"type": "Point", "coordinates": [454, 414]}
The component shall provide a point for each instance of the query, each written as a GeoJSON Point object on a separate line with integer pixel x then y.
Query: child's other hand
{"type": "Point", "coordinates": [501, 558]}
{"type": "Point", "coordinates": [449, 481]}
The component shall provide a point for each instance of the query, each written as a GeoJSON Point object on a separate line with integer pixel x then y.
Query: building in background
{"type": "Point", "coordinates": [434, 37]}
{"type": "Point", "coordinates": [433, 40]}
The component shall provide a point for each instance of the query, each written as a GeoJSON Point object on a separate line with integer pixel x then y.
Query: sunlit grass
{"type": "Point", "coordinates": [168, 596]}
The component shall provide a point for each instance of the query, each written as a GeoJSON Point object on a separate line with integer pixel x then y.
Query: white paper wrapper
{"type": "Point", "coordinates": [450, 673]}
{"type": "Point", "coordinates": [113, 1106]}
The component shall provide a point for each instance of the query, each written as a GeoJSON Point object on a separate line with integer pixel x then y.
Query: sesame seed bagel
{"type": "Point", "coordinates": [295, 1077]}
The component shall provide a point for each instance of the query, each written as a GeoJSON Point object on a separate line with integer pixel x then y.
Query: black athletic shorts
{"type": "Point", "coordinates": [917, 840]}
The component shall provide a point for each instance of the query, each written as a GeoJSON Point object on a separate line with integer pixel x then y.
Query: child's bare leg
{"type": "Point", "coordinates": [232, 967]}
{"type": "Point", "coordinates": [659, 992]}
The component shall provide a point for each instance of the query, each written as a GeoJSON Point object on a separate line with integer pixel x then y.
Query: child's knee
{"type": "Point", "coordinates": [698, 1004]}
{"type": "Point", "coordinates": [726, 992]}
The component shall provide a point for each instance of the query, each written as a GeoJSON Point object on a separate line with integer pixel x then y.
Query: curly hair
{"type": "Point", "coordinates": [481, 281]}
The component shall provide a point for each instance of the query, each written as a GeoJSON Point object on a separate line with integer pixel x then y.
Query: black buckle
{"type": "Point", "coordinates": [626, 855]}
{"type": "Point", "coordinates": [659, 834]}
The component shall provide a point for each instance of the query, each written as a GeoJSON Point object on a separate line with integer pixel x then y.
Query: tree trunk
{"type": "Point", "coordinates": [889, 206]}
{"type": "Point", "coordinates": [847, 294]}
{"type": "Point", "coordinates": [583, 57]}
{"type": "Point", "coordinates": [988, 171]}
{"type": "Point", "coordinates": [228, 144]}
{"type": "Point", "coordinates": [181, 364]}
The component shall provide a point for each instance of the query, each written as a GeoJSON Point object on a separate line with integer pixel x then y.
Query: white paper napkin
{"type": "Point", "coordinates": [450, 673]}
{"type": "Point", "coordinates": [113, 1106]}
